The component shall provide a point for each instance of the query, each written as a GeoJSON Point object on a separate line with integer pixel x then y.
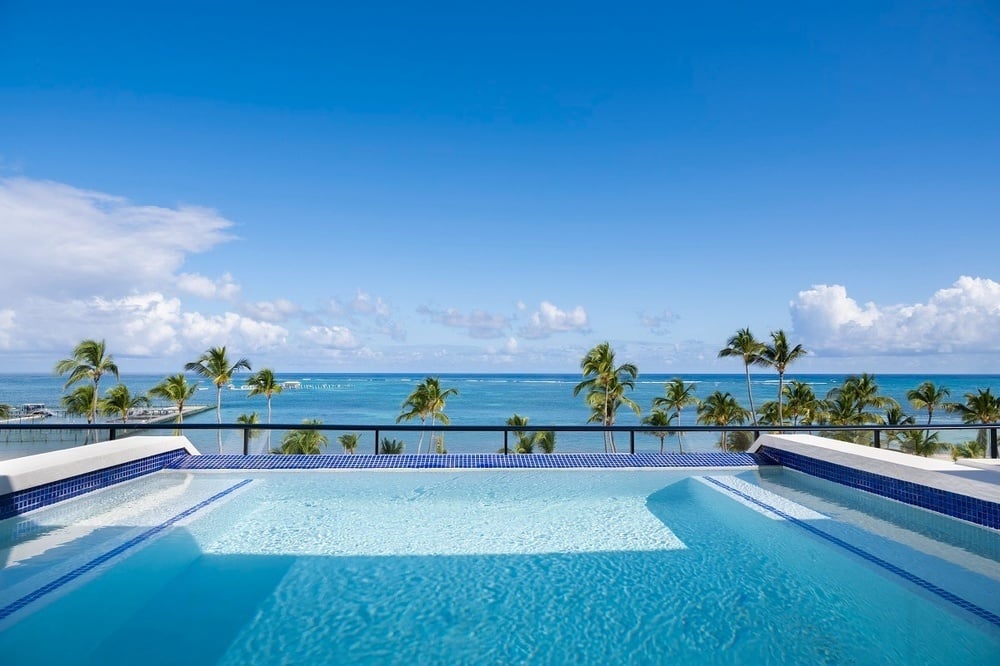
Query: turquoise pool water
{"type": "Point", "coordinates": [525, 566]}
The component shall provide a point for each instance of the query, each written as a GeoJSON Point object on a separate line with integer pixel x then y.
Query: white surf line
{"type": "Point", "coordinates": [740, 490]}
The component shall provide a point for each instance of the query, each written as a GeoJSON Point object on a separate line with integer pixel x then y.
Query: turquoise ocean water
{"type": "Point", "coordinates": [483, 399]}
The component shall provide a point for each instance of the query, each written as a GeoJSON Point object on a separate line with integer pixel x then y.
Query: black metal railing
{"type": "Point", "coordinates": [116, 430]}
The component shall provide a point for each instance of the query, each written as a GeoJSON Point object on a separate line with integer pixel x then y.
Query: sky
{"type": "Point", "coordinates": [498, 187]}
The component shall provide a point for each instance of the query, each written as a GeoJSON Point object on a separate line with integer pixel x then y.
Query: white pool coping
{"type": "Point", "coordinates": [37, 470]}
{"type": "Point", "coordinates": [965, 479]}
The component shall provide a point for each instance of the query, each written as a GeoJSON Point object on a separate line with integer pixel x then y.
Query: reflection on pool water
{"type": "Point", "coordinates": [535, 566]}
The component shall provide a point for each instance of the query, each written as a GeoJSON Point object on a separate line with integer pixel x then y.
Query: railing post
{"type": "Point", "coordinates": [376, 441]}
{"type": "Point", "coordinates": [112, 433]}
{"type": "Point", "coordinates": [878, 439]}
{"type": "Point", "coordinates": [993, 442]}
{"type": "Point", "coordinates": [631, 442]}
{"type": "Point", "coordinates": [505, 451]}
{"type": "Point", "coordinates": [246, 441]}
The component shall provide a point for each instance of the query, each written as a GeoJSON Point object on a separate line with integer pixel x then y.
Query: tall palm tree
{"type": "Point", "coordinates": [119, 401]}
{"type": "Point", "coordinates": [90, 361]}
{"type": "Point", "coordinates": [263, 383]}
{"type": "Point", "coordinates": [676, 396]}
{"type": "Point", "coordinates": [175, 389]}
{"type": "Point", "coordinates": [661, 419]}
{"type": "Point", "coordinates": [214, 365]}
{"type": "Point", "coordinates": [722, 409]}
{"type": "Point", "coordinates": [928, 396]}
{"type": "Point", "coordinates": [304, 441]}
{"type": "Point", "coordinates": [748, 348]}
{"type": "Point", "coordinates": [427, 402]}
{"type": "Point", "coordinates": [778, 355]}
{"type": "Point", "coordinates": [606, 385]}
{"type": "Point", "coordinates": [980, 407]}
{"type": "Point", "coordinates": [894, 416]}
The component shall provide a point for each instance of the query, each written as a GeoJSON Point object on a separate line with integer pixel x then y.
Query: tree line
{"type": "Point", "coordinates": [605, 387]}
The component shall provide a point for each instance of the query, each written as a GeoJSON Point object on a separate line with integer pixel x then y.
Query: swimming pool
{"type": "Point", "coordinates": [521, 566]}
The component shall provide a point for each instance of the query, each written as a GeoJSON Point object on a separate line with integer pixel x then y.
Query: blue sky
{"type": "Point", "coordinates": [471, 187]}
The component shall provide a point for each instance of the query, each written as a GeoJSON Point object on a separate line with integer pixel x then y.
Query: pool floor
{"type": "Point", "coordinates": [495, 567]}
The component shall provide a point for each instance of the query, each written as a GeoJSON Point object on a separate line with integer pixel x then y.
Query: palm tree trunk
{"type": "Point", "coordinates": [753, 412]}
{"type": "Point", "coordinates": [218, 414]}
{"type": "Point", "coordinates": [268, 423]}
{"type": "Point", "coordinates": [781, 390]}
{"type": "Point", "coordinates": [421, 440]}
{"type": "Point", "coordinates": [680, 435]}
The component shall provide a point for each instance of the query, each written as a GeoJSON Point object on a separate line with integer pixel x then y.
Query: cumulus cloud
{"type": "Point", "coordinates": [74, 242]}
{"type": "Point", "coordinates": [964, 317]}
{"type": "Point", "coordinates": [367, 313]}
{"type": "Point", "coordinates": [332, 337]}
{"type": "Point", "coordinates": [658, 324]}
{"type": "Point", "coordinates": [203, 287]}
{"type": "Point", "coordinates": [549, 319]}
{"type": "Point", "coordinates": [478, 323]}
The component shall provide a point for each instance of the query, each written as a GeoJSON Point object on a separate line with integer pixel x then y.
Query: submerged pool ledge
{"type": "Point", "coordinates": [961, 491]}
{"type": "Point", "coordinates": [475, 461]}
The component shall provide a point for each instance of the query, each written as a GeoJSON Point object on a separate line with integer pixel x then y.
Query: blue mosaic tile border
{"type": "Point", "coordinates": [21, 501]}
{"type": "Point", "coordinates": [472, 461]}
{"type": "Point", "coordinates": [15, 606]}
{"type": "Point", "coordinates": [971, 509]}
{"type": "Point", "coordinates": [978, 611]}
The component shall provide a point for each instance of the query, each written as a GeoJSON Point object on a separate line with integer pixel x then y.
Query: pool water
{"type": "Point", "coordinates": [520, 566]}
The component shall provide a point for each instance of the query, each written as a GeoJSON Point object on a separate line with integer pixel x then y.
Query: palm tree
{"type": "Point", "coordinates": [606, 386]}
{"type": "Point", "coordinates": [263, 383]}
{"type": "Point", "coordinates": [4, 411]}
{"type": "Point", "coordinates": [250, 419]}
{"type": "Point", "coordinates": [971, 449]}
{"type": "Point", "coordinates": [80, 402]}
{"type": "Point", "coordinates": [175, 389]}
{"type": "Point", "coordinates": [722, 409]}
{"type": "Point", "coordinates": [920, 442]}
{"type": "Point", "coordinates": [748, 348]}
{"type": "Point", "coordinates": [214, 365]}
{"type": "Point", "coordinates": [119, 401]}
{"type": "Point", "coordinates": [427, 402]}
{"type": "Point", "coordinates": [928, 396]}
{"type": "Point", "coordinates": [779, 355]}
{"type": "Point", "coordinates": [980, 407]}
{"type": "Point", "coordinates": [393, 447]}
{"type": "Point", "coordinates": [660, 419]}
{"type": "Point", "coordinates": [89, 361]}
{"type": "Point", "coordinates": [525, 439]}
{"type": "Point", "coordinates": [304, 441]}
{"type": "Point", "coordinates": [894, 416]}
{"type": "Point", "coordinates": [349, 441]}
{"type": "Point", "coordinates": [677, 395]}
{"type": "Point", "coordinates": [853, 403]}
{"type": "Point", "coordinates": [546, 440]}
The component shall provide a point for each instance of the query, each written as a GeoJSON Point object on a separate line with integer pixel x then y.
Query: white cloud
{"type": "Point", "coordinates": [332, 337]}
{"type": "Point", "coordinates": [510, 346]}
{"type": "Point", "coordinates": [203, 287]}
{"type": "Point", "coordinates": [549, 319]}
{"type": "Point", "coordinates": [478, 323]}
{"type": "Point", "coordinates": [962, 318]}
{"type": "Point", "coordinates": [234, 330]}
{"type": "Point", "coordinates": [72, 242]}
{"type": "Point", "coordinates": [658, 324]}
{"type": "Point", "coordinates": [278, 310]}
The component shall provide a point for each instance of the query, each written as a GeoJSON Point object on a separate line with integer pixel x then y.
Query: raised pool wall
{"type": "Point", "coordinates": [32, 482]}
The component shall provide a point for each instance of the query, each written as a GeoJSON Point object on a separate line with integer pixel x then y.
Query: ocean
{"type": "Point", "coordinates": [483, 399]}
